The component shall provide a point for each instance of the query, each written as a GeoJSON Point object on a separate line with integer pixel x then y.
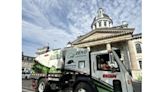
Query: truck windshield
{"type": "Point", "coordinates": [106, 62]}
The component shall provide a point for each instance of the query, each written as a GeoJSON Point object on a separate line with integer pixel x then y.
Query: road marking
{"type": "Point", "coordinates": [26, 90]}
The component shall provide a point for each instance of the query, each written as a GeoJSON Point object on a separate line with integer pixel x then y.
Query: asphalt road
{"type": "Point", "coordinates": [137, 86]}
{"type": "Point", "coordinates": [26, 86]}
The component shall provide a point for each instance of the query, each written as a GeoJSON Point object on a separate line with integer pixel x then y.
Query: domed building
{"type": "Point", "coordinates": [102, 20]}
{"type": "Point", "coordinates": [104, 36]}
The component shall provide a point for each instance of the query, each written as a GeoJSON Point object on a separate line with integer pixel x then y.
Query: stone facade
{"type": "Point", "coordinates": [27, 61]}
{"type": "Point", "coordinates": [137, 44]}
{"type": "Point", "coordinates": [121, 37]}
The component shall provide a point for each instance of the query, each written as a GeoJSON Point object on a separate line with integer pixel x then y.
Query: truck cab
{"type": "Point", "coordinates": [105, 69]}
{"type": "Point", "coordinates": [108, 70]}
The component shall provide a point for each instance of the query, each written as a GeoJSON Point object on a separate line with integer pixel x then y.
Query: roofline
{"type": "Point", "coordinates": [114, 30]}
{"type": "Point", "coordinates": [103, 38]}
{"type": "Point", "coordinates": [136, 36]}
{"type": "Point", "coordinates": [28, 56]}
{"type": "Point", "coordinates": [80, 38]}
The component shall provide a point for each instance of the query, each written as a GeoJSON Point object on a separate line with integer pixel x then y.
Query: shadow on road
{"type": "Point", "coordinates": [26, 84]}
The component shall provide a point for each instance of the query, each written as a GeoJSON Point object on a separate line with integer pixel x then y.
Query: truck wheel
{"type": "Point", "coordinates": [83, 87]}
{"type": "Point", "coordinates": [42, 86]}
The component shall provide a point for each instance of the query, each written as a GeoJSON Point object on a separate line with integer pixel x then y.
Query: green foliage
{"type": "Point", "coordinates": [139, 78]}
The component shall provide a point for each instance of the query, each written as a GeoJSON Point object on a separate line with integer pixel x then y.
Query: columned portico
{"type": "Point", "coordinates": [132, 55]}
{"type": "Point", "coordinates": [104, 37]}
{"type": "Point", "coordinates": [89, 48]}
{"type": "Point", "coordinates": [134, 68]}
{"type": "Point", "coordinates": [122, 52]}
{"type": "Point", "coordinates": [108, 46]}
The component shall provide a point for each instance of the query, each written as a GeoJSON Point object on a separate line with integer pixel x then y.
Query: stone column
{"type": "Point", "coordinates": [89, 48]}
{"type": "Point", "coordinates": [132, 58]}
{"type": "Point", "coordinates": [108, 46]}
{"type": "Point", "coordinates": [132, 55]}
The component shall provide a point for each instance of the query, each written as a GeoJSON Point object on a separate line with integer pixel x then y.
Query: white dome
{"type": "Point", "coordinates": [102, 20]}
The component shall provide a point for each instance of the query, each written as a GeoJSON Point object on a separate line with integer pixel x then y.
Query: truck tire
{"type": "Point", "coordinates": [42, 86]}
{"type": "Point", "coordinates": [83, 87]}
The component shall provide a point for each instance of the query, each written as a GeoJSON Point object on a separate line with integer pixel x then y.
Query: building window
{"type": "Point", "coordinates": [100, 24]}
{"type": "Point", "coordinates": [25, 58]}
{"type": "Point", "coordinates": [105, 23]}
{"type": "Point", "coordinates": [140, 63]}
{"type": "Point", "coordinates": [29, 59]}
{"type": "Point", "coordinates": [95, 25]}
{"type": "Point", "coordinates": [138, 48]}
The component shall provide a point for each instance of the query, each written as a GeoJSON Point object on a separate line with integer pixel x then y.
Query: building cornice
{"type": "Point", "coordinates": [137, 36]}
{"type": "Point", "coordinates": [104, 30]}
{"type": "Point", "coordinates": [113, 28]}
{"type": "Point", "coordinates": [106, 37]}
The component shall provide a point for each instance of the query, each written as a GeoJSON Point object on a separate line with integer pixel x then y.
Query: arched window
{"type": "Point", "coordinates": [138, 48]}
{"type": "Point", "coordinates": [140, 64]}
{"type": "Point", "coordinates": [105, 23]}
{"type": "Point", "coordinates": [95, 25]}
{"type": "Point", "coordinates": [100, 24]}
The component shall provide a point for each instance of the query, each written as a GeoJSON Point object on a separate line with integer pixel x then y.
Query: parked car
{"type": "Point", "coordinates": [26, 74]}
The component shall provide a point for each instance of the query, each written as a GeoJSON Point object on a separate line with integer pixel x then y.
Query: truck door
{"type": "Point", "coordinates": [105, 70]}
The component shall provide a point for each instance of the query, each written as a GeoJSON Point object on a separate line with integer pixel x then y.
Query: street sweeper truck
{"type": "Point", "coordinates": [79, 70]}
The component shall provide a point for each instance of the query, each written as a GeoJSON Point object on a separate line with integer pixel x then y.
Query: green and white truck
{"type": "Point", "coordinates": [80, 70]}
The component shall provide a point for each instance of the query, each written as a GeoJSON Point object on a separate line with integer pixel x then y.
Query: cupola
{"type": "Point", "coordinates": [102, 20]}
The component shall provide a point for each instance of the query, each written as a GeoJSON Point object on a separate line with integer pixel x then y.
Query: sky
{"type": "Point", "coordinates": [56, 22]}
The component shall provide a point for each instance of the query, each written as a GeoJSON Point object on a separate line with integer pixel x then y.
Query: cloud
{"type": "Point", "coordinates": [56, 21]}
{"type": "Point", "coordinates": [39, 37]}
